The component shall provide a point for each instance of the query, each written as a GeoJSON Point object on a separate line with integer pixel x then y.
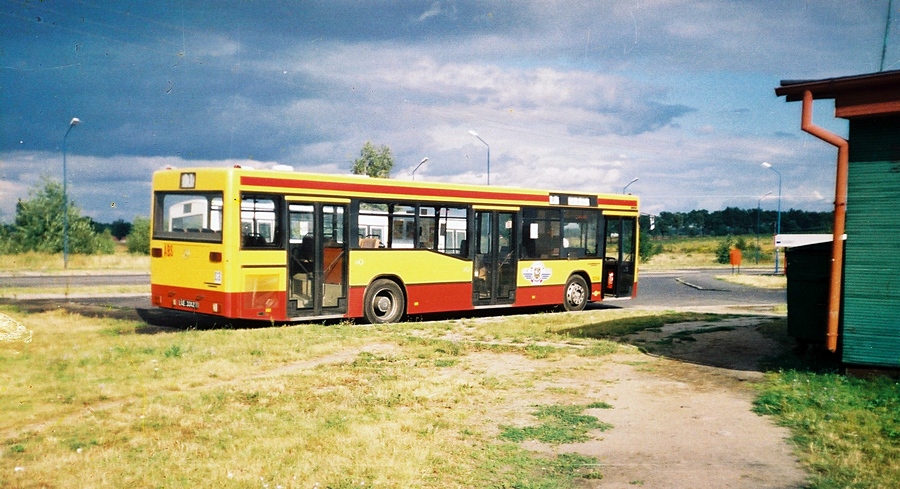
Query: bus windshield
{"type": "Point", "coordinates": [188, 216]}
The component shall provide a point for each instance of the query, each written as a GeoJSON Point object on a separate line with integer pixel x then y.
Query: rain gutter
{"type": "Point", "coordinates": [840, 216]}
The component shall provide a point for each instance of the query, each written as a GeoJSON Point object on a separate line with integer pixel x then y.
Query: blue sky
{"type": "Point", "coordinates": [570, 95]}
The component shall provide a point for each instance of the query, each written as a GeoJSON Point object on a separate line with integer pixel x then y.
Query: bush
{"type": "Point", "coordinates": [139, 237]}
{"type": "Point", "coordinates": [723, 250]}
{"type": "Point", "coordinates": [647, 249]}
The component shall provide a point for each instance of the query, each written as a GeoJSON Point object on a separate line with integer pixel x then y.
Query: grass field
{"type": "Point", "coordinates": [93, 402]}
{"type": "Point", "coordinates": [696, 252]}
{"type": "Point", "coordinates": [97, 402]}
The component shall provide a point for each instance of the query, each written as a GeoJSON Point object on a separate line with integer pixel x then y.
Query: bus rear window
{"type": "Point", "coordinates": [188, 216]}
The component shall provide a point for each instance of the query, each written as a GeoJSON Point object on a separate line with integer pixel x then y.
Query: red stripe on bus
{"type": "Point", "coordinates": [603, 202]}
{"type": "Point", "coordinates": [427, 298]}
{"type": "Point", "coordinates": [542, 295]}
{"type": "Point", "coordinates": [388, 189]}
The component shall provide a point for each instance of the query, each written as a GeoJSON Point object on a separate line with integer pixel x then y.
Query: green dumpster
{"type": "Point", "coordinates": [808, 281]}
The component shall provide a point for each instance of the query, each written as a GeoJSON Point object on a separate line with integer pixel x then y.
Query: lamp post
{"type": "Point", "coordinates": [75, 121]}
{"type": "Point", "coordinates": [757, 223]}
{"type": "Point", "coordinates": [488, 155]}
{"type": "Point", "coordinates": [417, 166]}
{"type": "Point", "coordinates": [629, 184]}
{"type": "Point", "coordinates": [778, 219]}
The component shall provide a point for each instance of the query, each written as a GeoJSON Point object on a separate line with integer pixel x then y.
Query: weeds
{"type": "Point", "coordinates": [848, 429]}
{"type": "Point", "coordinates": [561, 424]}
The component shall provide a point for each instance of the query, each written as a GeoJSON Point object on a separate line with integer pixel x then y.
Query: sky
{"type": "Point", "coordinates": [569, 95]}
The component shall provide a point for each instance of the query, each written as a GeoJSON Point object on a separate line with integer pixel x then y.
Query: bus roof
{"type": "Point", "coordinates": [358, 186]}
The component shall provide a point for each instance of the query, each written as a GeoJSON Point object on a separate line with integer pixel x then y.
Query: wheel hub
{"type": "Point", "coordinates": [383, 304]}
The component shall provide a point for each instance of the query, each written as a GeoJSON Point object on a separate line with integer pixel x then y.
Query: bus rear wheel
{"type": "Point", "coordinates": [576, 294]}
{"type": "Point", "coordinates": [384, 302]}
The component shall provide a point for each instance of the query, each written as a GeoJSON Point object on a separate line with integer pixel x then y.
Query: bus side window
{"type": "Point", "coordinates": [260, 221]}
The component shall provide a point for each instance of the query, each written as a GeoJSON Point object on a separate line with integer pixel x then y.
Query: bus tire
{"type": "Point", "coordinates": [384, 302]}
{"type": "Point", "coordinates": [576, 293]}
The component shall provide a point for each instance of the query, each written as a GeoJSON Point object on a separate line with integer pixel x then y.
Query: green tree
{"type": "Point", "coordinates": [723, 249]}
{"type": "Point", "coordinates": [39, 225]}
{"type": "Point", "coordinates": [374, 162]}
{"type": "Point", "coordinates": [647, 248]}
{"type": "Point", "coordinates": [139, 237]}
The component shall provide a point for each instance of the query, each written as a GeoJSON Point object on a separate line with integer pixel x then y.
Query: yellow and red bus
{"type": "Point", "coordinates": [279, 245]}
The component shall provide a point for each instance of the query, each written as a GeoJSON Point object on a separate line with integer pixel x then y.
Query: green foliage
{"type": "Point", "coordinates": [39, 225]}
{"type": "Point", "coordinates": [561, 424]}
{"type": "Point", "coordinates": [118, 228]}
{"type": "Point", "coordinates": [723, 249]}
{"type": "Point", "coordinates": [374, 162]}
{"type": "Point", "coordinates": [513, 467]}
{"type": "Point", "coordinates": [647, 248]}
{"type": "Point", "coordinates": [848, 428]}
{"type": "Point", "coordinates": [139, 237]}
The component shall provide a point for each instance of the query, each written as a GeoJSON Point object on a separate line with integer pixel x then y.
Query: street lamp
{"type": "Point", "coordinates": [75, 121]}
{"type": "Point", "coordinates": [757, 223]}
{"type": "Point", "coordinates": [488, 155]}
{"type": "Point", "coordinates": [778, 220]}
{"type": "Point", "coordinates": [629, 184]}
{"type": "Point", "coordinates": [417, 166]}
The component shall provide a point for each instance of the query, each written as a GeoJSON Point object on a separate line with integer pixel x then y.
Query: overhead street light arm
{"type": "Point", "coordinates": [488, 154]}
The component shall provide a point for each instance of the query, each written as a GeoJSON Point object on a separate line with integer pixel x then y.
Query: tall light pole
{"type": "Point", "coordinates": [629, 184]}
{"type": "Point", "coordinates": [488, 155]}
{"type": "Point", "coordinates": [778, 220]}
{"type": "Point", "coordinates": [75, 121]}
{"type": "Point", "coordinates": [757, 223]}
{"type": "Point", "coordinates": [417, 166]}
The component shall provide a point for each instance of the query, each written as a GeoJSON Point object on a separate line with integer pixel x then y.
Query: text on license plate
{"type": "Point", "coordinates": [190, 304]}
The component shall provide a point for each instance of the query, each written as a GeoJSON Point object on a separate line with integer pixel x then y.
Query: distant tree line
{"type": "Point", "coordinates": [733, 221]}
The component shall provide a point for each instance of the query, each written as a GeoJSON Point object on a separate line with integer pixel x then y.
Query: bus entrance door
{"type": "Point", "coordinates": [317, 268]}
{"type": "Point", "coordinates": [618, 265]}
{"type": "Point", "coordinates": [494, 270]}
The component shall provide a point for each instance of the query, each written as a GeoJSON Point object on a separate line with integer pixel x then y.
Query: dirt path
{"type": "Point", "coordinates": [687, 421]}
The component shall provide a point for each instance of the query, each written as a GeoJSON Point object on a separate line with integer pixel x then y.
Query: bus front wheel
{"type": "Point", "coordinates": [576, 293]}
{"type": "Point", "coordinates": [384, 302]}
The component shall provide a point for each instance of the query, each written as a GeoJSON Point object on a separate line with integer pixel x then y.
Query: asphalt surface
{"type": "Point", "coordinates": [73, 280]}
{"type": "Point", "coordinates": [656, 289]}
{"type": "Point", "coordinates": [684, 288]}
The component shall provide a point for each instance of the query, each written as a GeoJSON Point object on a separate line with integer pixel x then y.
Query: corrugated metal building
{"type": "Point", "coordinates": [870, 317]}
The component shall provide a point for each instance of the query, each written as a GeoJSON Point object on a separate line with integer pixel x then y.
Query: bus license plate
{"type": "Point", "coordinates": [190, 304]}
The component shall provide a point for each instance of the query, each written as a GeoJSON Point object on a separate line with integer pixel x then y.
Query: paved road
{"type": "Point", "coordinates": [698, 288]}
{"type": "Point", "coordinates": [681, 288]}
{"type": "Point", "coordinates": [73, 280]}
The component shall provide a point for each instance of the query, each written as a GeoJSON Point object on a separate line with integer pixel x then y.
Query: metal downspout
{"type": "Point", "coordinates": [840, 216]}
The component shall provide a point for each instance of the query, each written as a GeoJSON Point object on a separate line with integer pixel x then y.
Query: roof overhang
{"type": "Point", "coordinates": [854, 96]}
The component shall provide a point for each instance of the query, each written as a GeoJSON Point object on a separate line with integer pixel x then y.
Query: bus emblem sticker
{"type": "Point", "coordinates": [537, 273]}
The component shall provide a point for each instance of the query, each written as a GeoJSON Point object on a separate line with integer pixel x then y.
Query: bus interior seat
{"type": "Point", "coordinates": [369, 242]}
{"type": "Point", "coordinates": [254, 240]}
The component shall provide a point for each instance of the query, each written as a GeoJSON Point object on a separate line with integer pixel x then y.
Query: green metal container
{"type": "Point", "coordinates": [808, 281]}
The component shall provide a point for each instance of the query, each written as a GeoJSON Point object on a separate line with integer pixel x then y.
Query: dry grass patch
{"type": "Point", "coordinates": [52, 263]}
{"type": "Point", "coordinates": [95, 402]}
{"type": "Point", "coordinates": [761, 281]}
{"type": "Point", "coordinates": [19, 292]}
